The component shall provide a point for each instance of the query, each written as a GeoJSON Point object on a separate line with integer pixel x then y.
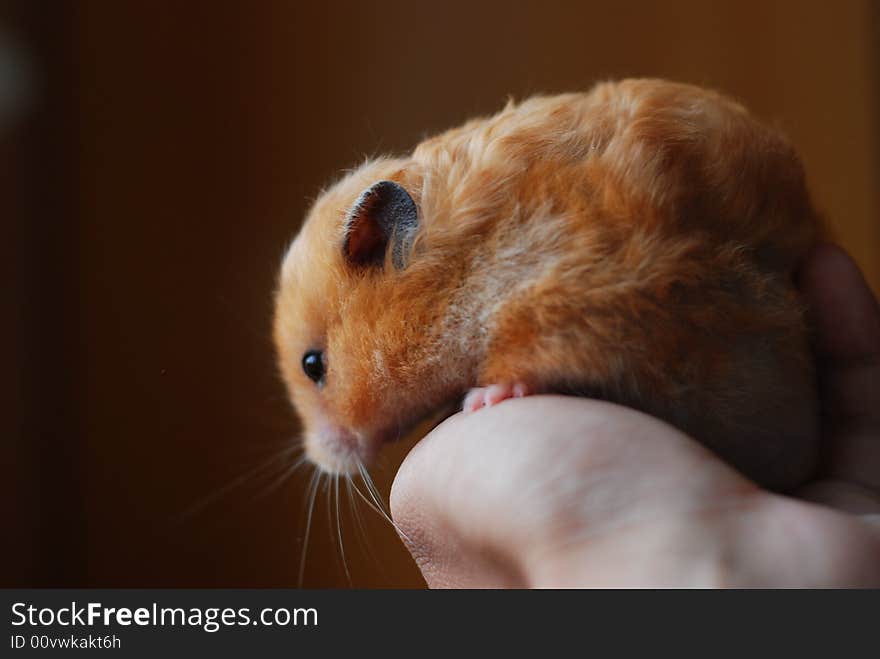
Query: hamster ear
{"type": "Point", "coordinates": [383, 214]}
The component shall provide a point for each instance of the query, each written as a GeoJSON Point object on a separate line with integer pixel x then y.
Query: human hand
{"type": "Point", "coordinates": [556, 491]}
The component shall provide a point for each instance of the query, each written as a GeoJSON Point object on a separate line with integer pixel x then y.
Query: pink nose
{"type": "Point", "coordinates": [335, 449]}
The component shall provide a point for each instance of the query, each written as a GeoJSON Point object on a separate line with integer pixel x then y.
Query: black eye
{"type": "Point", "coordinates": [313, 365]}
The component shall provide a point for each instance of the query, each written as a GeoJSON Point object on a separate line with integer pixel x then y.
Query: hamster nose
{"type": "Point", "coordinates": [336, 449]}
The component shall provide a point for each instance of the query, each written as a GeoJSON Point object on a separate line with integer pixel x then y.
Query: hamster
{"type": "Point", "coordinates": [635, 244]}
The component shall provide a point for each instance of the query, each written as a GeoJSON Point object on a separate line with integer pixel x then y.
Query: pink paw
{"type": "Point", "coordinates": [480, 397]}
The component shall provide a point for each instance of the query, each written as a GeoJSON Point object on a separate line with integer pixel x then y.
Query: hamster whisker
{"type": "Point", "coordinates": [361, 534]}
{"type": "Point", "coordinates": [339, 528]}
{"type": "Point", "coordinates": [284, 477]}
{"type": "Point", "coordinates": [263, 467]}
{"type": "Point", "coordinates": [377, 498]}
{"type": "Point", "coordinates": [373, 492]}
{"type": "Point", "coordinates": [379, 511]}
{"type": "Point", "coordinates": [331, 536]}
{"type": "Point", "coordinates": [366, 500]}
{"type": "Point", "coordinates": [312, 493]}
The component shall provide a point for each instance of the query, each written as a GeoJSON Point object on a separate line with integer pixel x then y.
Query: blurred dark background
{"type": "Point", "coordinates": [157, 157]}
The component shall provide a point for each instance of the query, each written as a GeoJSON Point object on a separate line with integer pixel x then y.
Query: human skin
{"type": "Point", "coordinates": [553, 491]}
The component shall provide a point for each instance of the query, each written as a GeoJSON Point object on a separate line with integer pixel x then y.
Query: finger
{"type": "Point", "coordinates": [485, 498]}
{"type": "Point", "coordinates": [846, 313]}
{"type": "Point", "coordinates": [846, 317]}
{"type": "Point", "coordinates": [445, 499]}
{"type": "Point", "coordinates": [476, 496]}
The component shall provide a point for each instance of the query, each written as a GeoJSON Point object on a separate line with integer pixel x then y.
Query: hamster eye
{"type": "Point", "coordinates": [313, 365]}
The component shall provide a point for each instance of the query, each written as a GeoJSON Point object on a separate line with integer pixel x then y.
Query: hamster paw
{"type": "Point", "coordinates": [480, 397]}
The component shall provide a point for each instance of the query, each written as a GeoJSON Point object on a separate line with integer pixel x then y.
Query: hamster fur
{"type": "Point", "coordinates": [635, 243]}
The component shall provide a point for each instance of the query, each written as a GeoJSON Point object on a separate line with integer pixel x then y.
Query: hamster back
{"type": "Point", "coordinates": [635, 243]}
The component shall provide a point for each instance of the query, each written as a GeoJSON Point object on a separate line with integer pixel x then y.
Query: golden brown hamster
{"type": "Point", "coordinates": [635, 243]}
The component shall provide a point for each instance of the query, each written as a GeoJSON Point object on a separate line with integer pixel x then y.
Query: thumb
{"type": "Point", "coordinates": [846, 317]}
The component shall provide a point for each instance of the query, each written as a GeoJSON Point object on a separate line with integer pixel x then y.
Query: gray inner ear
{"type": "Point", "coordinates": [392, 208]}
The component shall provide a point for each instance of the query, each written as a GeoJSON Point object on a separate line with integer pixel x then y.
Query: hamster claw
{"type": "Point", "coordinates": [480, 397]}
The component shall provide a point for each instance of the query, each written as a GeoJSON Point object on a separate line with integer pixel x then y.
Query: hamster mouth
{"type": "Point", "coordinates": [335, 450]}
{"type": "Point", "coordinates": [339, 450]}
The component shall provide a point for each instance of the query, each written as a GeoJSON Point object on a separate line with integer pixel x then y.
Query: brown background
{"type": "Point", "coordinates": [165, 158]}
